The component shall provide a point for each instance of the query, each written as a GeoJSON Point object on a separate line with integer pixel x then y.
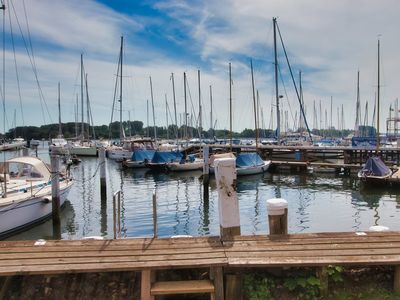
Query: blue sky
{"type": "Point", "coordinates": [328, 41]}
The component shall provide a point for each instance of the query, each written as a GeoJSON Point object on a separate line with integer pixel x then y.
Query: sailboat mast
{"type": "Point", "coordinates": [211, 113]}
{"type": "Point", "coordinates": [278, 114]}
{"type": "Point", "coordinates": [76, 116]}
{"type": "Point", "coordinates": [87, 105]}
{"type": "Point", "coordinates": [254, 103]}
{"type": "Point", "coordinates": [200, 113]}
{"type": "Point", "coordinates": [148, 125]}
{"type": "Point", "coordinates": [154, 115]}
{"type": "Point", "coordinates": [59, 113]}
{"type": "Point", "coordinates": [378, 101]}
{"type": "Point", "coordinates": [82, 124]}
{"type": "Point", "coordinates": [166, 114]}
{"type": "Point", "coordinates": [184, 93]}
{"type": "Point", "coordinates": [173, 93]}
{"type": "Point", "coordinates": [121, 129]}
{"type": "Point", "coordinates": [230, 104]}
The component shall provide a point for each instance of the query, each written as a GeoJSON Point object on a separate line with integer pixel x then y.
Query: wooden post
{"type": "Point", "coordinates": [396, 285]}
{"type": "Point", "coordinates": [103, 186]}
{"type": "Point", "coordinates": [55, 195]}
{"type": "Point", "coordinates": [323, 278]}
{"type": "Point", "coordinates": [217, 275]}
{"type": "Point", "coordinates": [145, 286]}
{"type": "Point", "coordinates": [229, 220]}
{"type": "Point", "coordinates": [117, 214]}
{"type": "Point", "coordinates": [206, 172]}
{"type": "Point", "coordinates": [154, 214]}
{"type": "Point", "coordinates": [277, 216]}
{"type": "Point", "coordinates": [225, 175]}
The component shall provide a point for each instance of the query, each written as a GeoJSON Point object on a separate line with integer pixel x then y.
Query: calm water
{"type": "Point", "coordinates": [317, 203]}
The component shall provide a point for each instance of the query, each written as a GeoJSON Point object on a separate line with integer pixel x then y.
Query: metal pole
{"type": "Point", "coordinates": [103, 185]}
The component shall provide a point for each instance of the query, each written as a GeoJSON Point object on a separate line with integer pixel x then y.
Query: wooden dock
{"type": "Point", "coordinates": [149, 255]}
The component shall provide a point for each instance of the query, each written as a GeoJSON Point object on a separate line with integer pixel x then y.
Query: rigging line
{"type": "Point", "coordinates": [196, 118]}
{"type": "Point", "coordinates": [41, 95]}
{"type": "Point", "coordinates": [29, 32]}
{"type": "Point", "coordinates": [16, 71]}
{"type": "Point", "coordinates": [286, 94]}
{"type": "Point", "coordinates": [115, 96]}
{"type": "Point", "coordinates": [294, 83]}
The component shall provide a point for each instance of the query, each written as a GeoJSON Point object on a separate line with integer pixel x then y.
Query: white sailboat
{"type": "Point", "coordinates": [26, 193]}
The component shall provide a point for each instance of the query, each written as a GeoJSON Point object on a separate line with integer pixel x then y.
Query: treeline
{"type": "Point", "coordinates": [71, 130]}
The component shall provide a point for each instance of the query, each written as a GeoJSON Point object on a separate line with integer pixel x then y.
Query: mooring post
{"type": "Point", "coordinates": [206, 172]}
{"type": "Point", "coordinates": [103, 186]}
{"type": "Point", "coordinates": [225, 175]}
{"type": "Point", "coordinates": [154, 214]}
{"type": "Point", "coordinates": [117, 214]}
{"type": "Point", "coordinates": [55, 195]}
{"type": "Point", "coordinates": [277, 216]}
{"type": "Point", "coordinates": [229, 220]}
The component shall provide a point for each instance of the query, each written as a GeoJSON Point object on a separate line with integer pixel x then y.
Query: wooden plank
{"type": "Point", "coordinates": [108, 267]}
{"type": "Point", "coordinates": [182, 287]}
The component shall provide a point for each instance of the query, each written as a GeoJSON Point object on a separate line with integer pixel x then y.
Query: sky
{"type": "Point", "coordinates": [328, 41]}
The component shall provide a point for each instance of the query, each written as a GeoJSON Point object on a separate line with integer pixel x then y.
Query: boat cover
{"type": "Point", "coordinates": [248, 160]}
{"type": "Point", "coordinates": [375, 167]}
{"type": "Point", "coordinates": [142, 155]}
{"type": "Point", "coordinates": [161, 157]}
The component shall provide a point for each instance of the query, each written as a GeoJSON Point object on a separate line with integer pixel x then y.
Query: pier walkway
{"type": "Point", "coordinates": [147, 255]}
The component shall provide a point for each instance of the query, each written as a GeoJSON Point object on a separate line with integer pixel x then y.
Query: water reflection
{"type": "Point", "coordinates": [317, 202]}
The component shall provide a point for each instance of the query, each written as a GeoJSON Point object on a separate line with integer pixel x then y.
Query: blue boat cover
{"type": "Point", "coordinates": [142, 155]}
{"type": "Point", "coordinates": [248, 160]}
{"type": "Point", "coordinates": [375, 167]}
{"type": "Point", "coordinates": [161, 157]}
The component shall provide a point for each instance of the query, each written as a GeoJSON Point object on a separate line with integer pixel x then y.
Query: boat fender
{"type": "Point", "coordinates": [46, 200]}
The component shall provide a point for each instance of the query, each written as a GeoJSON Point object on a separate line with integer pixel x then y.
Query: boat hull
{"type": "Point", "coordinates": [83, 151]}
{"type": "Point", "coordinates": [119, 154]}
{"type": "Point", "coordinates": [253, 169]}
{"type": "Point", "coordinates": [178, 167]}
{"type": "Point", "coordinates": [19, 215]}
{"type": "Point", "coordinates": [132, 164]}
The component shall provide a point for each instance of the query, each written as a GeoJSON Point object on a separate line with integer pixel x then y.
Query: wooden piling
{"type": "Point", "coordinates": [154, 214]}
{"type": "Point", "coordinates": [225, 175]}
{"type": "Point", "coordinates": [55, 195]}
{"type": "Point", "coordinates": [277, 216]}
{"type": "Point", "coordinates": [206, 172]}
{"type": "Point", "coordinates": [103, 185]}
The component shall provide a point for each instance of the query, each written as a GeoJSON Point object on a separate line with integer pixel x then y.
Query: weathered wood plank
{"type": "Point", "coordinates": [182, 287]}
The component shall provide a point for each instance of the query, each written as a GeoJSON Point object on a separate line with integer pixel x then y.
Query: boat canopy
{"type": "Point", "coordinates": [375, 167]}
{"type": "Point", "coordinates": [248, 160]}
{"type": "Point", "coordinates": [38, 167]}
{"type": "Point", "coordinates": [142, 155]}
{"type": "Point", "coordinates": [161, 157]}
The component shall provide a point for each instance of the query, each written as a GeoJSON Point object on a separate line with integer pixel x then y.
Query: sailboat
{"type": "Point", "coordinates": [375, 169]}
{"type": "Point", "coordinates": [59, 145]}
{"type": "Point", "coordinates": [83, 146]}
{"type": "Point", "coordinates": [26, 193]}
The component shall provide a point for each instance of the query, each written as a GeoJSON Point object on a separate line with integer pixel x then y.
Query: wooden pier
{"type": "Point", "coordinates": [219, 256]}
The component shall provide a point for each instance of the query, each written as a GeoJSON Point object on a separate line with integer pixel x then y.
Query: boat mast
{"type": "Point", "coordinates": [176, 119]}
{"type": "Point", "coordinates": [121, 129]}
{"type": "Point", "coordinates": [3, 7]}
{"type": "Point", "coordinates": [76, 116]}
{"type": "Point", "coordinates": [184, 92]}
{"type": "Point", "coordinates": [82, 124]}
{"type": "Point", "coordinates": [254, 103]}
{"type": "Point", "coordinates": [211, 113]}
{"type": "Point", "coordinates": [148, 125]}
{"type": "Point", "coordinates": [378, 102]}
{"type": "Point", "coordinates": [166, 114]}
{"type": "Point", "coordinates": [87, 105]}
{"type": "Point", "coordinates": [59, 113]}
{"type": "Point", "coordinates": [200, 114]}
{"type": "Point", "coordinates": [154, 116]}
{"type": "Point", "coordinates": [230, 104]}
{"type": "Point", "coordinates": [278, 115]}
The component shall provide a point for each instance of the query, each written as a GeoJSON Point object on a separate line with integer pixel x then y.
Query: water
{"type": "Point", "coordinates": [316, 203]}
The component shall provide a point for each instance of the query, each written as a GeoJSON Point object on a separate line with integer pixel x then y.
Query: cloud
{"type": "Point", "coordinates": [328, 41]}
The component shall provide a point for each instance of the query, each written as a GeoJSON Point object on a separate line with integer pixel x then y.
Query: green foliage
{"type": "Point", "coordinates": [335, 273]}
{"type": "Point", "coordinates": [304, 287]}
{"type": "Point", "coordinates": [258, 287]}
